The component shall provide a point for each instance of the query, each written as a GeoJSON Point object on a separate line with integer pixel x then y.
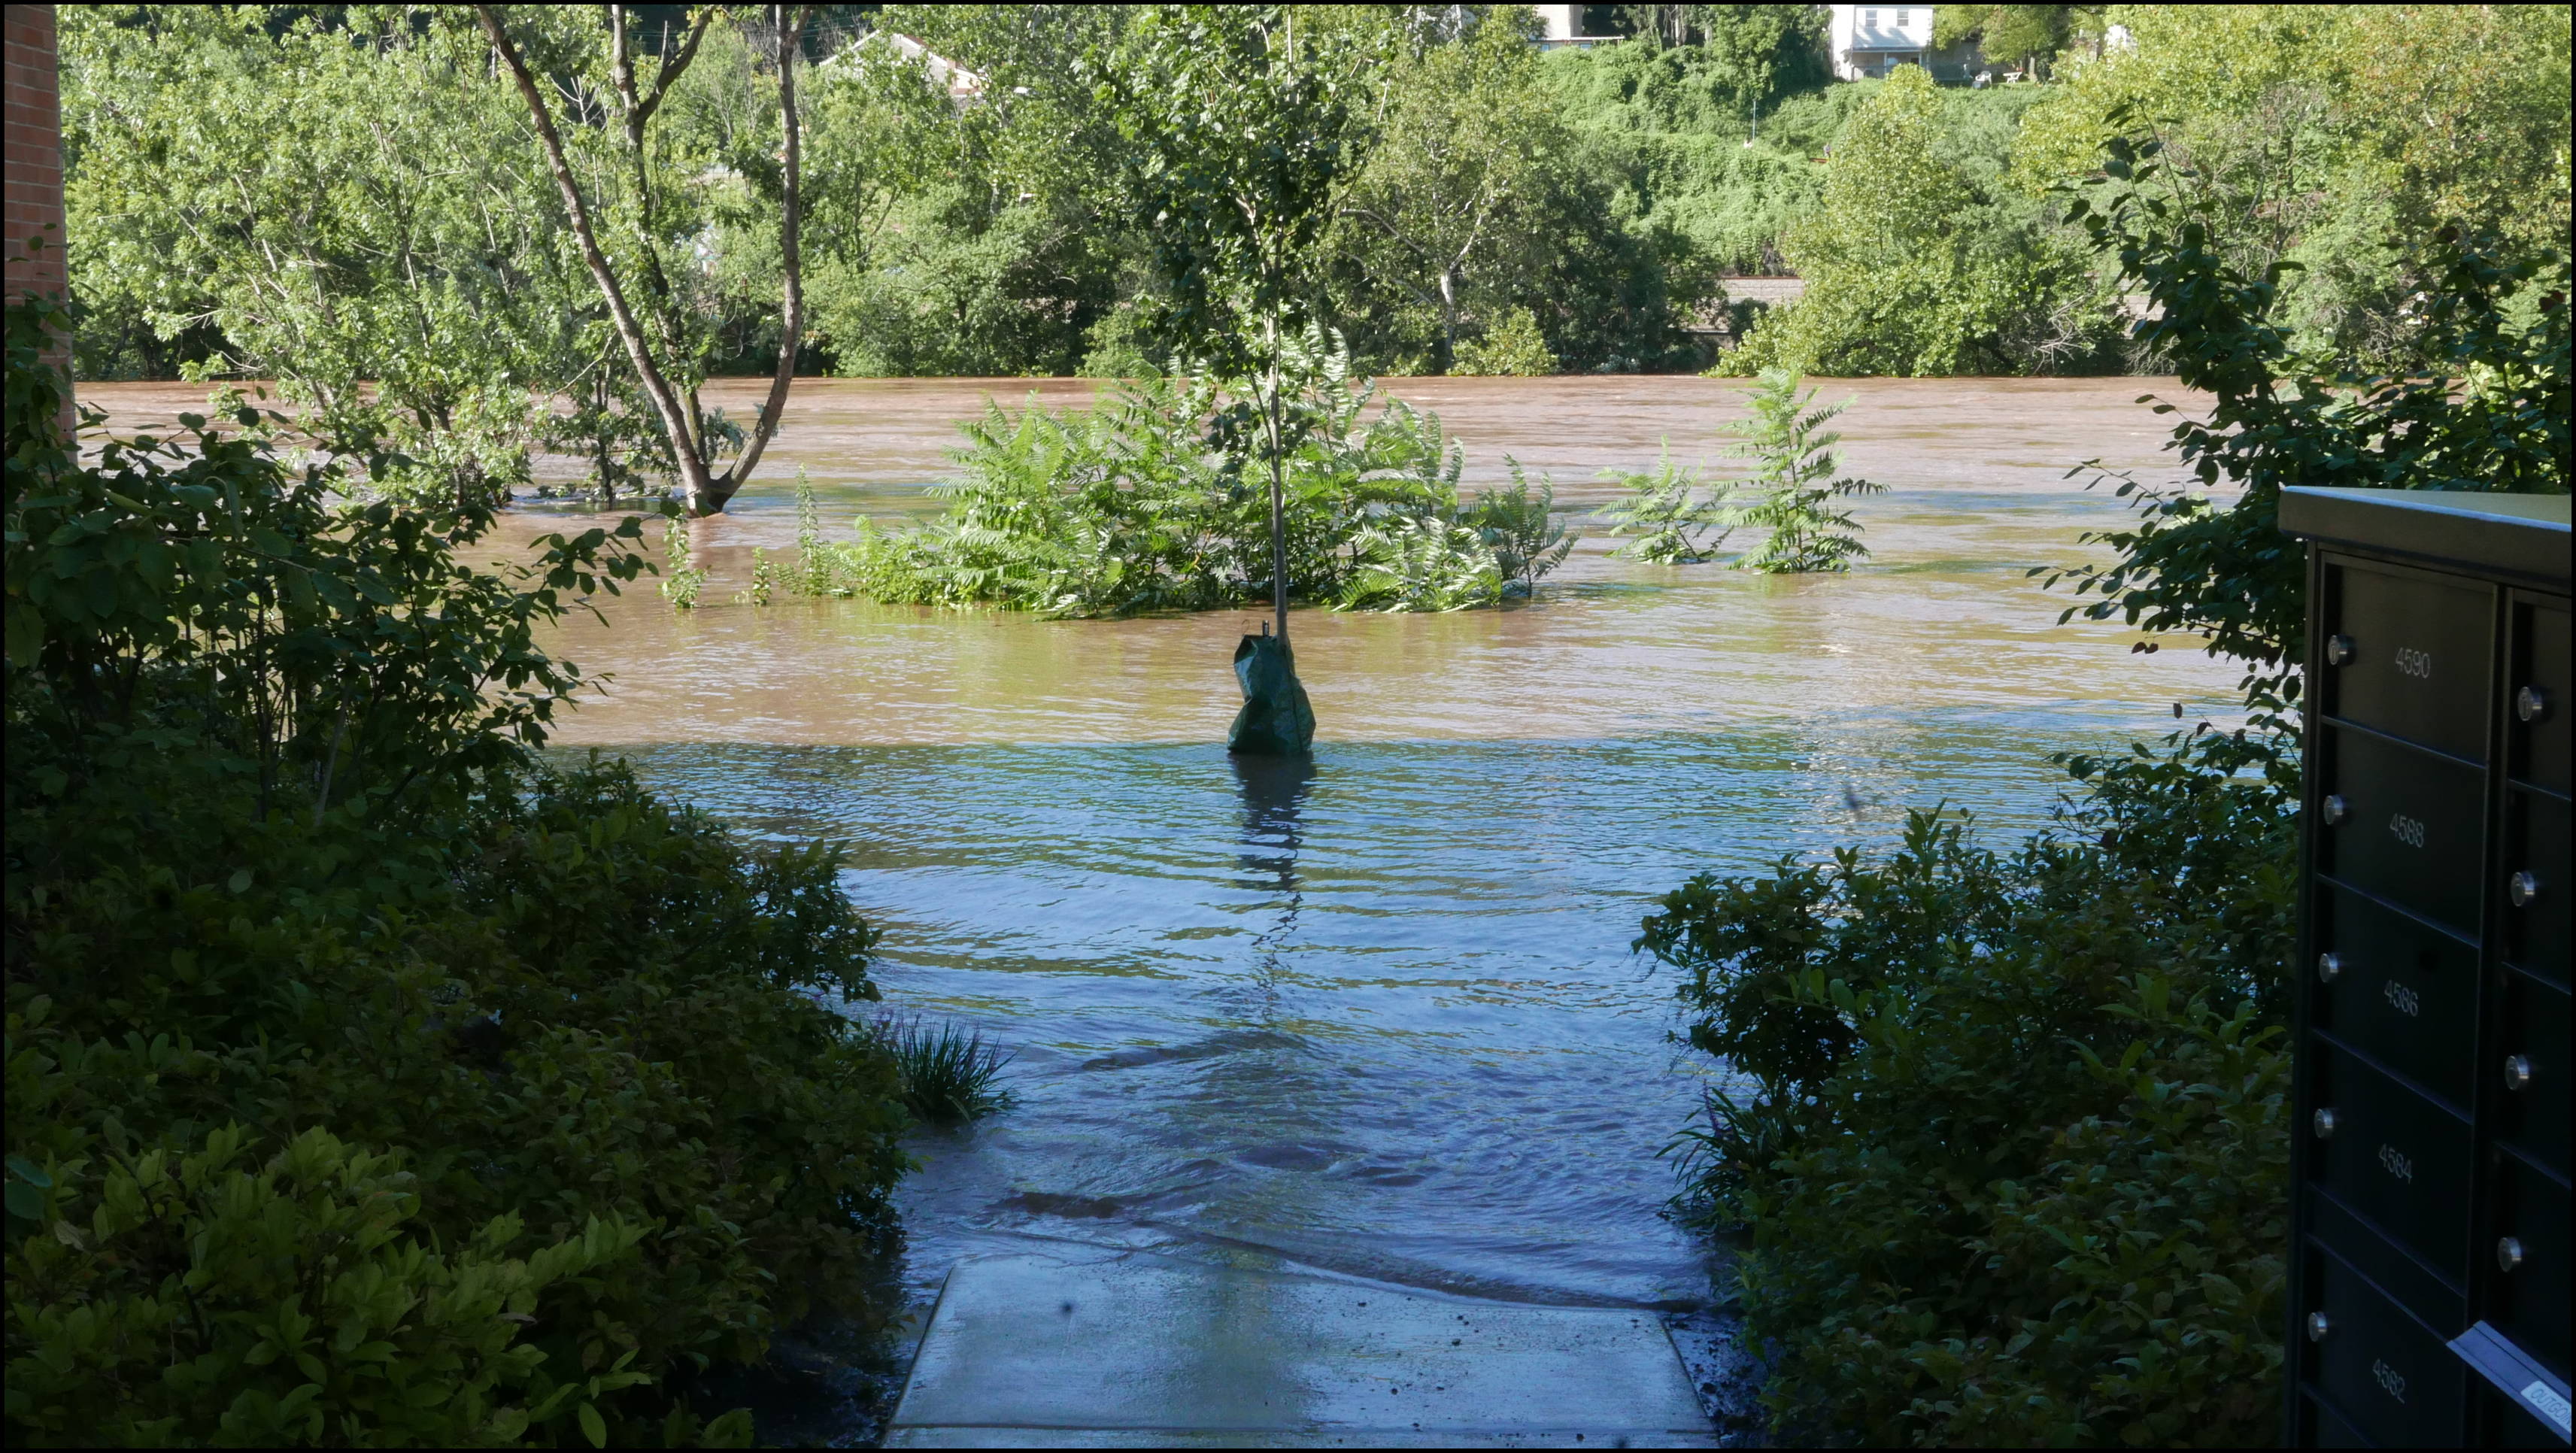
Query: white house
{"type": "Point", "coordinates": [965, 88]}
{"type": "Point", "coordinates": [1871, 40]}
{"type": "Point", "coordinates": [1562, 25]}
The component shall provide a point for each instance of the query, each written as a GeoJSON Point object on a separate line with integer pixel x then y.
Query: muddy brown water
{"type": "Point", "coordinates": [1380, 1014]}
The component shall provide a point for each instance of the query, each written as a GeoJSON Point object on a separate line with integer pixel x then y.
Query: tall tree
{"type": "Point", "coordinates": [2032, 35]}
{"type": "Point", "coordinates": [694, 447]}
{"type": "Point", "coordinates": [1457, 176]}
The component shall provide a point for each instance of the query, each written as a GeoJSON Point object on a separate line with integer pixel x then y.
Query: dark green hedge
{"type": "Point", "coordinates": [368, 1082]}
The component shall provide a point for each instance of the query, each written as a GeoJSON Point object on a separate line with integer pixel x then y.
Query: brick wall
{"type": "Point", "coordinates": [33, 116]}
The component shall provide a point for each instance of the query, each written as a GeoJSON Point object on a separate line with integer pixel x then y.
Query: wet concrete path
{"type": "Point", "coordinates": [1138, 1350]}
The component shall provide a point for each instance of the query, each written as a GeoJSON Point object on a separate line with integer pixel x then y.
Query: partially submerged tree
{"type": "Point", "coordinates": [1236, 143]}
{"type": "Point", "coordinates": [1793, 463]}
{"type": "Point", "coordinates": [696, 446]}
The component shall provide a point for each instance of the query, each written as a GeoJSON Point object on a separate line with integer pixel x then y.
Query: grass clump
{"type": "Point", "coordinates": [948, 1077]}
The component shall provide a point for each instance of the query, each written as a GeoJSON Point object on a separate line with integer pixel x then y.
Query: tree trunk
{"type": "Point", "coordinates": [791, 262]}
{"type": "Point", "coordinates": [1448, 319]}
{"type": "Point", "coordinates": [706, 491]}
{"type": "Point", "coordinates": [1278, 492]}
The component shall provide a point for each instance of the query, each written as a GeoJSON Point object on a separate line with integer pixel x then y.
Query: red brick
{"type": "Point", "coordinates": [31, 105]}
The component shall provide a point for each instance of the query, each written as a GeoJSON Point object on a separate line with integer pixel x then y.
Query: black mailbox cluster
{"type": "Point", "coordinates": [2429, 1286]}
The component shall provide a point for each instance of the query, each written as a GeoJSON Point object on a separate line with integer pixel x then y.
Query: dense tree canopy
{"type": "Point", "coordinates": [1576, 208]}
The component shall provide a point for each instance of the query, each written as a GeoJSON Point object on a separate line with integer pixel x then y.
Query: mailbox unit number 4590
{"type": "Point", "coordinates": [2415, 663]}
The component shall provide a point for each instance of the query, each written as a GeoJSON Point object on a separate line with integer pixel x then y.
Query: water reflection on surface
{"type": "Point", "coordinates": [1377, 1013]}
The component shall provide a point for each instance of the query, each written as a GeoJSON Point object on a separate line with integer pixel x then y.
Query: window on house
{"type": "Point", "coordinates": [1869, 19]}
{"type": "Point", "coordinates": [1904, 18]}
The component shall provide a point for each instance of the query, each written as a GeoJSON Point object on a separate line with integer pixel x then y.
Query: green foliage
{"type": "Point", "coordinates": [2012, 1162]}
{"type": "Point", "coordinates": [682, 582]}
{"type": "Point", "coordinates": [2480, 402]}
{"type": "Point", "coordinates": [1236, 130]}
{"type": "Point", "coordinates": [948, 1076]}
{"type": "Point", "coordinates": [1465, 180]}
{"type": "Point", "coordinates": [367, 1081]}
{"type": "Point", "coordinates": [1150, 500]}
{"type": "Point", "coordinates": [1915, 268]}
{"type": "Point", "coordinates": [1669, 513]}
{"type": "Point", "coordinates": [2027, 36]}
{"type": "Point", "coordinates": [1793, 469]}
{"type": "Point", "coordinates": [2014, 1167]}
{"type": "Point", "coordinates": [1512, 348]}
{"type": "Point", "coordinates": [2337, 138]}
{"type": "Point", "coordinates": [1421, 563]}
{"type": "Point", "coordinates": [1450, 205]}
{"type": "Point", "coordinates": [1522, 529]}
{"type": "Point", "coordinates": [429, 310]}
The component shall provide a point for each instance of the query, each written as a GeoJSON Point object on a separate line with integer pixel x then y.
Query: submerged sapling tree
{"type": "Point", "coordinates": [1794, 460]}
{"type": "Point", "coordinates": [1522, 529]}
{"type": "Point", "coordinates": [1668, 513]}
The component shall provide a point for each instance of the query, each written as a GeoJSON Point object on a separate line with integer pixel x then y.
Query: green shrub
{"type": "Point", "coordinates": [1915, 266]}
{"type": "Point", "coordinates": [2013, 1158]}
{"type": "Point", "coordinates": [2014, 1168]}
{"type": "Point", "coordinates": [1142, 503]}
{"type": "Point", "coordinates": [1669, 513]}
{"type": "Point", "coordinates": [369, 1082]}
{"type": "Point", "coordinates": [1523, 530]}
{"type": "Point", "coordinates": [1512, 348]}
{"type": "Point", "coordinates": [1793, 469]}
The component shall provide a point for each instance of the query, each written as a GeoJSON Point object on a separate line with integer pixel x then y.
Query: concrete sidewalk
{"type": "Point", "coordinates": [1136, 1350]}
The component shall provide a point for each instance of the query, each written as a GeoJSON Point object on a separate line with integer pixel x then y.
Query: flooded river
{"type": "Point", "coordinates": [1380, 1015]}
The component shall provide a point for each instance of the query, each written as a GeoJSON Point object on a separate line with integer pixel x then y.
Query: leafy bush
{"type": "Point", "coordinates": [2015, 1167]}
{"type": "Point", "coordinates": [2013, 1161]}
{"type": "Point", "coordinates": [1916, 267]}
{"type": "Point", "coordinates": [1522, 529]}
{"type": "Point", "coordinates": [1669, 514]}
{"type": "Point", "coordinates": [1512, 348]}
{"type": "Point", "coordinates": [369, 1082]}
{"type": "Point", "coordinates": [1423, 563]}
{"type": "Point", "coordinates": [1793, 468]}
{"type": "Point", "coordinates": [1148, 501]}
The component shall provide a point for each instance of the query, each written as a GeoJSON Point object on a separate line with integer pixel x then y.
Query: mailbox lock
{"type": "Point", "coordinates": [2522, 887]}
{"type": "Point", "coordinates": [2517, 1072]}
{"type": "Point", "coordinates": [2324, 1121]}
{"type": "Point", "coordinates": [2531, 703]}
{"type": "Point", "coordinates": [2508, 1253]}
{"type": "Point", "coordinates": [2318, 1326]}
{"type": "Point", "coordinates": [2340, 650]}
{"type": "Point", "coordinates": [2335, 809]}
{"type": "Point", "coordinates": [2328, 966]}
